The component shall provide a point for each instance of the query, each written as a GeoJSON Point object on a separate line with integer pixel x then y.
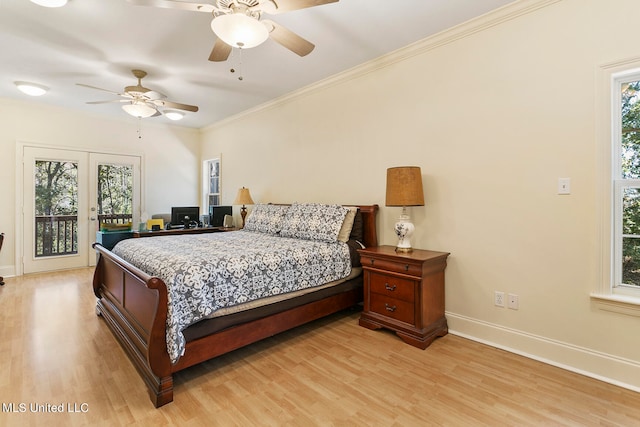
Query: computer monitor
{"type": "Point", "coordinates": [183, 215]}
{"type": "Point", "coordinates": [217, 213]}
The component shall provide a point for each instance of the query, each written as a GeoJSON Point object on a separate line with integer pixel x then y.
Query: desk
{"type": "Point", "coordinates": [175, 231]}
{"type": "Point", "coordinates": [108, 239]}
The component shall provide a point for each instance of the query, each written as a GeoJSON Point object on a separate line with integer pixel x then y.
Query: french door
{"type": "Point", "coordinates": [66, 195]}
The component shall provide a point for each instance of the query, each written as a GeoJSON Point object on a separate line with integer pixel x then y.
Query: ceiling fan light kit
{"type": "Point", "coordinates": [142, 102]}
{"type": "Point", "coordinates": [239, 23]}
{"type": "Point", "coordinates": [50, 3]}
{"type": "Point", "coordinates": [239, 30]}
{"type": "Point", "coordinates": [31, 89]}
{"type": "Point", "coordinates": [139, 109]}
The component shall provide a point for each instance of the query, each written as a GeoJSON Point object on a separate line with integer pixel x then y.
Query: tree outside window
{"type": "Point", "coordinates": [629, 174]}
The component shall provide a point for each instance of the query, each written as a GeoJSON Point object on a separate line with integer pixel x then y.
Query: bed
{"type": "Point", "coordinates": [139, 302]}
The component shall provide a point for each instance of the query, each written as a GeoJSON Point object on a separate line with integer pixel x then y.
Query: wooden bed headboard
{"type": "Point", "coordinates": [369, 224]}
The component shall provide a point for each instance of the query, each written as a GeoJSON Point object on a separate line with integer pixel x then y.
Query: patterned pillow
{"type": "Point", "coordinates": [314, 221]}
{"type": "Point", "coordinates": [266, 218]}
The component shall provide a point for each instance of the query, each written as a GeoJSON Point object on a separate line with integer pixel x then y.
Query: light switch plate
{"type": "Point", "coordinates": [564, 185]}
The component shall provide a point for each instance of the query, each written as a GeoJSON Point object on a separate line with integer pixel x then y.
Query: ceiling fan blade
{"type": "Point", "coordinates": [171, 4]}
{"type": "Point", "coordinates": [282, 6]}
{"type": "Point", "coordinates": [108, 102]}
{"type": "Point", "coordinates": [98, 88]}
{"type": "Point", "coordinates": [289, 39]}
{"type": "Point", "coordinates": [176, 105]}
{"type": "Point", "coordinates": [220, 51]}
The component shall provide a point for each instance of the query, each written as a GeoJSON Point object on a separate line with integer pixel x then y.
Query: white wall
{"type": "Point", "coordinates": [171, 156]}
{"type": "Point", "coordinates": [494, 112]}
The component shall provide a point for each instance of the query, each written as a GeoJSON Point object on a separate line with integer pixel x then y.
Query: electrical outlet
{"type": "Point", "coordinates": [498, 298]}
{"type": "Point", "coordinates": [513, 301]}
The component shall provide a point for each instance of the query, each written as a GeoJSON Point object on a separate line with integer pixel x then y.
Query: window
{"type": "Point", "coordinates": [626, 182]}
{"type": "Point", "coordinates": [211, 172]}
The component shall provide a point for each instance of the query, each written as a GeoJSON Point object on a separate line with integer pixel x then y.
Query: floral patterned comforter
{"type": "Point", "coordinates": [205, 272]}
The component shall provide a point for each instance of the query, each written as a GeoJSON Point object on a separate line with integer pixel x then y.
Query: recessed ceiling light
{"type": "Point", "coordinates": [50, 3]}
{"type": "Point", "coordinates": [31, 89]}
{"type": "Point", "coordinates": [173, 114]}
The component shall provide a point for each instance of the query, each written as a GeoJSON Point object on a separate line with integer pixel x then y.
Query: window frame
{"type": "Point", "coordinates": [620, 183]}
{"type": "Point", "coordinates": [610, 294]}
{"type": "Point", "coordinates": [206, 184]}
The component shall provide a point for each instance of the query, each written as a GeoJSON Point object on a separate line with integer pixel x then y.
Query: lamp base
{"type": "Point", "coordinates": [404, 229]}
{"type": "Point", "coordinates": [243, 214]}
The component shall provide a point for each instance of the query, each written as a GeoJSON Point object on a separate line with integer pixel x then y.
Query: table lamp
{"type": "Point", "coordinates": [404, 188]}
{"type": "Point", "coordinates": [243, 198]}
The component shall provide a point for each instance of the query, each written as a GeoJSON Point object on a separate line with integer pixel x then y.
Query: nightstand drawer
{"type": "Point", "coordinates": [398, 266]}
{"type": "Point", "coordinates": [393, 308]}
{"type": "Point", "coordinates": [392, 287]}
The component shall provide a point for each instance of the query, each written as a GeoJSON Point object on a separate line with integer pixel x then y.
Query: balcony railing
{"type": "Point", "coordinates": [58, 234]}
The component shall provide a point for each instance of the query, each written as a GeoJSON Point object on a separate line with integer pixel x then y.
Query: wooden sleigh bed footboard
{"type": "Point", "coordinates": [134, 306]}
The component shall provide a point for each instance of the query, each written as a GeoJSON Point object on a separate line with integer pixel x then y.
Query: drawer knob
{"type": "Point", "coordinates": [406, 267]}
{"type": "Point", "coordinates": [389, 287]}
{"type": "Point", "coordinates": [389, 307]}
{"type": "Point", "coordinates": [373, 261]}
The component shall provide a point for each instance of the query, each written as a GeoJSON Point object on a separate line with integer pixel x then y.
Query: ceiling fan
{"type": "Point", "coordinates": [141, 102]}
{"type": "Point", "coordinates": [239, 23]}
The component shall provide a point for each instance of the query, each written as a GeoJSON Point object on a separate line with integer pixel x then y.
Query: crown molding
{"type": "Point", "coordinates": [489, 20]}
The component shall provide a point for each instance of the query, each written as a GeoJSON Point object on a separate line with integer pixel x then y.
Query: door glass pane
{"type": "Point", "coordinates": [115, 194]}
{"type": "Point", "coordinates": [56, 208]}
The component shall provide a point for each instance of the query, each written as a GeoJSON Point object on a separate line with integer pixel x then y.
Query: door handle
{"type": "Point", "coordinates": [92, 218]}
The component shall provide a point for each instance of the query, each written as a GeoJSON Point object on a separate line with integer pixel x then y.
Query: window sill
{"type": "Point", "coordinates": [622, 304]}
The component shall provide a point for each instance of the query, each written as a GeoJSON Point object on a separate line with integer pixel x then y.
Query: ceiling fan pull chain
{"type": "Point", "coordinates": [240, 67]}
{"type": "Point", "coordinates": [139, 126]}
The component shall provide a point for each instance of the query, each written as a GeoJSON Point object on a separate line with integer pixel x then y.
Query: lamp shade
{"type": "Point", "coordinates": [404, 186]}
{"type": "Point", "coordinates": [138, 109]}
{"type": "Point", "coordinates": [243, 197]}
{"type": "Point", "coordinates": [239, 30]}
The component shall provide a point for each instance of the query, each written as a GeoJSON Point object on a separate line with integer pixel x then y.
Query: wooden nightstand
{"type": "Point", "coordinates": [404, 292]}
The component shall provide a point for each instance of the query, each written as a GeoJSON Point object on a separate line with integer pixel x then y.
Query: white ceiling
{"type": "Point", "coordinates": [98, 42]}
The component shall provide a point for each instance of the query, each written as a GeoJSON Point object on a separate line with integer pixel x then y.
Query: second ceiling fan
{"type": "Point", "coordinates": [239, 23]}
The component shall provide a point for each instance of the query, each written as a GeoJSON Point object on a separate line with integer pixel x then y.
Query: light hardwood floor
{"type": "Point", "coordinates": [55, 351]}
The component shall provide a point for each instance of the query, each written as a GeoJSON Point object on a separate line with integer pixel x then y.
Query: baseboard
{"type": "Point", "coordinates": [601, 366]}
{"type": "Point", "coordinates": [7, 271]}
